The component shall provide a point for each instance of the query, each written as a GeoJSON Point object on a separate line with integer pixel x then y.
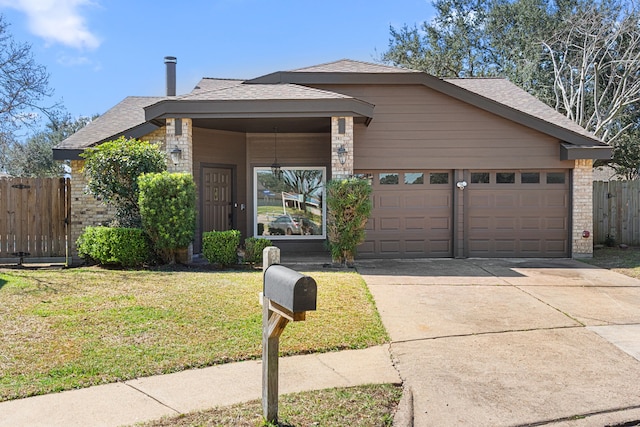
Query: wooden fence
{"type": "Point", "coordinates": [616, 211]}
{"type": "Point", "coordinates": [34, 214]}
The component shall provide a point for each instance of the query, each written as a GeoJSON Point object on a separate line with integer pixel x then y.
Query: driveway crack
{"type": "Point", "coordinates": [152, 398]}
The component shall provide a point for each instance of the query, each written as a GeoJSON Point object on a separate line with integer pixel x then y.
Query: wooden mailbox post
{"type": "Point", "coordinates": [286, 297]}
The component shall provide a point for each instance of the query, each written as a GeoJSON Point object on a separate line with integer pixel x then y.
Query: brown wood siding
{"type": "Point", "coordinates": [221, 148]}
{"type": "Point", "coordinates": [417, 127]}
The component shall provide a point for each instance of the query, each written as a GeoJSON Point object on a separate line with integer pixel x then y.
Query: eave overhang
{"type": "Point", "coordinates": [62, 153]}
{"type": "Point", "coordinates": [576, 152]}
{"type": "Point", "coordinates": [259, 109]}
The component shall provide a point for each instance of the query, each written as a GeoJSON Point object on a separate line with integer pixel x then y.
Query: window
{"type": "Point", "coordinates": [413, 178]}
{"type": "Point", "coordinates": [366, 176]}
{"type": "Point", "coordinates": [480, 177]}
{"type": "Point", "coordinates": [530, 177]}
{"type": "Point", "coordinates": [291, 207]}
{"type": "Point", "coordinates": [439, 178]}
{"type": "Point", "coordinates": [555, 177]}
{"type": "Point", "coordinates": [505, 177]}
{"type": "Point", "coordinates": [388, 178]}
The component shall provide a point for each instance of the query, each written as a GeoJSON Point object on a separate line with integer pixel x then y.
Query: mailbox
{"type": "Point", "coordinates": [290, 289]}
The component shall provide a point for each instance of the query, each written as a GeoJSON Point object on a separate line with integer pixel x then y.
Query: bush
{"type": "Point", "coordinates": [126, 247]}
{"type": "Point", "coordinates": [168, 210]}
{"type": "Point", "coordinates": [112, 170]}
{"type": "Point", "coordinates": [348, 210]}
{"type": "Point", "coordinates": [253, 247]}
{"type": "Point", "coordinates": [221, 247]}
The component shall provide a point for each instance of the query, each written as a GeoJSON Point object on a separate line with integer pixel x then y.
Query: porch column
{"type": "Point", "coordinates": [582, 210]}
{"type": "Point", "coordinates": [341, 140]}
{"type": "Point", "coordinates": [179, 136]}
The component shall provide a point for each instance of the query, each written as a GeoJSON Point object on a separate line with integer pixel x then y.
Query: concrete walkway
{"type": "Point", "coordinates": [512, 342]}
{"type": "Point", "coordinates": [154, 397]}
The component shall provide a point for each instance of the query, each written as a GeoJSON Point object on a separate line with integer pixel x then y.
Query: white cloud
{"type": "Point", "coordinates": [57, 21]}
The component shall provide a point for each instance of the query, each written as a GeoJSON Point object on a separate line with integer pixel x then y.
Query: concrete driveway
{"type": "Point", "coordinates": [512, 342]}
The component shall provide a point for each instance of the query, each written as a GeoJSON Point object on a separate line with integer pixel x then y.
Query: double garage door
{"type": "Point", "coordinates": [418, 214]}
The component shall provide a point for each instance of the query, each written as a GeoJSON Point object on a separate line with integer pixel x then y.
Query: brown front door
{"type": "Point", "coordinates": [217, 213]}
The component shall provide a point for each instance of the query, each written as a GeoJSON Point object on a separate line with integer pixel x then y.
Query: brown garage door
{"type": "Point", "coordinates": [517, 214]}
{"type": "Point", "coordinates": [412, 214]}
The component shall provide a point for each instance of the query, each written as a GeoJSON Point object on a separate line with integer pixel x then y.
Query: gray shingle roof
{"type": "Point", "coordinates": [507, 93]}
{"type": "Point", "coordinates": [123, 117]}
{"type": "Point", "coordinates": [351, 66]}
{"type": "Point", "coordinates": [262, 92]}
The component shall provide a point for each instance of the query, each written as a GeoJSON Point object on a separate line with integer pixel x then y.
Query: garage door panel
{"type": "Point", "coordinates": [388, 201]}
{"type": "Point", "coordinates": [389, 224]}
{"type": "Point", "coordinates": [389, 247]}
{"type": "Point", "coordinates": [506, 201]}
{"type": "Point", "coordinates": [518, 219]}
{"type": "Point", "coordinates": [529, 223]}
{"type": "Point", "coordinates": [410, 217]}
{"type": "Point", "coordinates": [415, 201]}
{"type": "Point", "coordinates": [440, 223]}
{"type": "Point", "coordinates": [416, 224]}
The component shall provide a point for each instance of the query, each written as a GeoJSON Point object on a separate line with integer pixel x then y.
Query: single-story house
{"type": "Point", "coordinates": [459, 167]}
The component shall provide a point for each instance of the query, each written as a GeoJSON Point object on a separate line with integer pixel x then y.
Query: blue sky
{"type": "Point", "coordinates": [99, 51]}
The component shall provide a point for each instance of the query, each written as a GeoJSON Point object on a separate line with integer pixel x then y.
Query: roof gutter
{"type": "Point", "coordinates": [576, 152]}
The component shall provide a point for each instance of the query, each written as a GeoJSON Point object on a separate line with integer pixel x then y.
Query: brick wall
{"type": "Point", "coordinates": [338, 139]}
{"type": "Point", "coordinates": [582, 247]}
{"type": "Point", "coordinates": [86, 210]}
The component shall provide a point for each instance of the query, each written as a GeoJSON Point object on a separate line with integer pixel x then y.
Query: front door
{"type": "Point", "coordinates": [217, 213]}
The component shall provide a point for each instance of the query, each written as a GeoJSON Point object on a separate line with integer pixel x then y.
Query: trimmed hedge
{"type": "Point", "coordinates": [168, 211]}
{"type": "Point", "coordinates": [221, 247]}
{"type": "Point", "coordinates": [126, 247]}
{"type": "Point", "coordinates": [253, 247]}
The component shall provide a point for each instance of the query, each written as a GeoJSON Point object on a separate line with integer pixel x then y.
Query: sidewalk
{"type": "Point", "coordinates": [173, 394]}
{"type": "Point", "coordinates": [149, 398]}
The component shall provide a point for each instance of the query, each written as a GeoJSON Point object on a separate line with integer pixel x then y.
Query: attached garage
{"type": "Point", "coordinates": [412, 215]}
{"type": "Point", "coordinates": [517, 214]}
{"type": "Point", "coordinates": [501, 214]}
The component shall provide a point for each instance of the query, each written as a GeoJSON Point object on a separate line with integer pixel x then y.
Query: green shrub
{"type": "Point", "coordinates": [221, 247]}
{"type": "Point", "coordinates": [126, 247]}
{"type": "Point", "coordinates": [253, 247]}
{"type": "Point", "coordinates": [112, 170]}
{"type": "Point", "coordinates": [168, 210]}
{"type": "Point", "coordinates": [348, 210]}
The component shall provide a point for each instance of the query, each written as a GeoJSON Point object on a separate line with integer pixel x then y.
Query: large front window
{"type": "Point", "coordinates": [292, 206]}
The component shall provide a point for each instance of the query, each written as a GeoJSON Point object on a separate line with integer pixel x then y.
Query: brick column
{"type": "Point", "coordinates": [341, 136]}
{"type": "Point", "coordinates": [183, 139]}
{"type": "Point", "coordinates": [582, 210]}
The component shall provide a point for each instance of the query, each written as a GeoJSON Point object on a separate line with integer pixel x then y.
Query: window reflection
{"type": "Point", "coordinates": [290, 206]}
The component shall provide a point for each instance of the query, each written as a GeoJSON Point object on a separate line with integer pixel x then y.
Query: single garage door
{"type": "Point", "coordinates": [412, 215]}
{"type": "Point", "coordinates": [517, 214]}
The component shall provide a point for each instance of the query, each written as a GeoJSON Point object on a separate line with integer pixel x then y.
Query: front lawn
{"type": "Point", "coordinates": [64, 329]}
{"type": "Point", "coordinates": [363, 406]}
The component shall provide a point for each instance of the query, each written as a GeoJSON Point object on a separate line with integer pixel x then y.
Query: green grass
{"type": "Point", "coordinates": [624, 261]}
{"type": "Point", "coordinates": [365, 406]}
{"type": "Point", "coordinates": [64, 329]}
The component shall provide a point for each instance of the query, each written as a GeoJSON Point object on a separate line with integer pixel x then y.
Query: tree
{"type": "Point", "coordinates": [34, 158]}
{"type": "Point", "coordinates": [24, 85]}
{"type": "Point", "coordinates": [23, 82]}
{"type": "Point", "coordinates": [453, 45]}
{"type": "Point", "coordinates": [112, 170]}
{"type": "Point", "coordinates": [595, 59]}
